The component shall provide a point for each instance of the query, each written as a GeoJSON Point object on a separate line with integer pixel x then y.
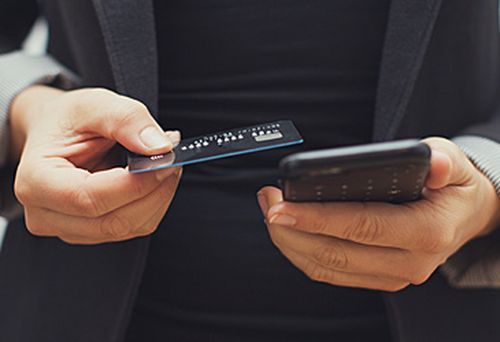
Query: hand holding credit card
{"type": "Point", "coordinates": [220, 145]}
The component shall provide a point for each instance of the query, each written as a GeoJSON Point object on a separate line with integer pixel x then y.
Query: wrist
{"type": "Point", "coordinates": [24, 112]}
{"type": "Point", "coordinates": [491, 206]}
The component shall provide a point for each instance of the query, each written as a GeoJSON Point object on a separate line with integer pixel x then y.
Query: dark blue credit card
{"type": "Point", "coordinates": [220, 145]}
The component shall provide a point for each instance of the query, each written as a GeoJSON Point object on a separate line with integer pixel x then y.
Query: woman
{"type": "Point", "coordinates": [103, 262]}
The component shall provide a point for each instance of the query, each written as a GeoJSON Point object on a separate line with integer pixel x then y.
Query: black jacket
{"type": "Point", "coordinates": [440, 75]}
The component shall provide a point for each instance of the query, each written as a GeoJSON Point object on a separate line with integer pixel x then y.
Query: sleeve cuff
{"type": "Point", "coordinates": [18, 71]}
{"type": "Point", "coordinates": [484, 154]}
{"type": "Point", "coordinates": [477, 264]}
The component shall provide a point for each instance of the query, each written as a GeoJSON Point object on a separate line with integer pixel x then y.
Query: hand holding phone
{"type": "Point", "coordinates": [383, 246]}
{"type": "Point", "coordinates": [386, 172]}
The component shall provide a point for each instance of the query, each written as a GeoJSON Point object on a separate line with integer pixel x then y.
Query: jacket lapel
{"type": "Point", "coordinates": [128, 28]}
{"type": "Point", "coordinates": [409, 30]}
{"type": "Point", "coordinates": [129, 32]}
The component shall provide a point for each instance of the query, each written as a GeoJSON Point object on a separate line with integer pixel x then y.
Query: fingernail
{"type": "Point", "coordinates": [154, 138]}
{"type": "Point", "coordinates": [163, 174]}
{"type": "Point", "coordinates": [262, 203]}
{"type": "Point", "coordinates": [174, 136]}
{"type": "Point", "coordinates": [283, 220]}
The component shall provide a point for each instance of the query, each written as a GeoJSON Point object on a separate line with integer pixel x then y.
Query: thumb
{"type": "Point", "coordinates": [122, 119]}
{"type": "Point", "coordinates": [449, 165]}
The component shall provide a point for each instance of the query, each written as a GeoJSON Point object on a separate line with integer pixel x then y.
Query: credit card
{"type": "Point", "coordinates": [220, 145]}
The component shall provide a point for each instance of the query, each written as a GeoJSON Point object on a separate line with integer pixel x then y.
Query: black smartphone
{"type": "Point", "coordinates": [392, 172]}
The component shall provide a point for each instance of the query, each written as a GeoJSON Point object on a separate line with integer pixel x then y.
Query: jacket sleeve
{"type": "Point", "coordinates": [477, 264]}
{"type": "Point", "coordinates": [19, 70]}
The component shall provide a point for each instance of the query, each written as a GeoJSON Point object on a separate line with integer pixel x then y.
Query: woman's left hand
{"type": "Point", "coordinates": [385, 246]}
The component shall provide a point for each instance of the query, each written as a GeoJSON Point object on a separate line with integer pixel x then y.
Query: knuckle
{"type": "Point", "coordinates": [131, 109]}
{"type": "Point", "coordinates": [318, 273]}
{"type": "Point", "coordinates": [22, 191]}
{"type": "Point", "coordinates": [127, 113]}
{"type": "Point", "coordinates": [115, 227]}
{"type": "Point", "coordinates": [137, 106]}
{"type": "Point", "coordinates": [86, 203]}
{"type": "Point", "coordinates": [417, 271]}
{"type": "Point", "coordinates": [364, 228]}
{"type": "Point", "coordinates": [419, 277]}
{"type": "Point", "coordinates": [329, 256]}
{"type": "Point", "coordinates": [152, 225]}
{"type": "Point", "coordinates": [147, 230]}
{"type": "Point", "coordinates": [34, 228]}
{"type": "Point", "coordinates": [34, 224]}
{"type": "Point", "coordinates": [439, 240]}
{"type": "Point", "coordinates": [81, 97]}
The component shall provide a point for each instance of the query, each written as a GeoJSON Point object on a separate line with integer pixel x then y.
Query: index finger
{"type": "Point", "coordinates": [378, 224]}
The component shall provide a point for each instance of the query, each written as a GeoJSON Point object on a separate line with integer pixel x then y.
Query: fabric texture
{"type": "Point", "coordinates": [484, 154]}
{"type": "Point", "coordinates": [18, 71]}
{"type": "Point", "coordinates": [477, 264]}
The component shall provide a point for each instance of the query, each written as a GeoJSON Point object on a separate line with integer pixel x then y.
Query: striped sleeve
{"type": "Point", "coordinates": [18, 71]}
{"type": "Point", "coordinates": [477, 264]}
{"type": "Point", "coordinates": [484, 154]}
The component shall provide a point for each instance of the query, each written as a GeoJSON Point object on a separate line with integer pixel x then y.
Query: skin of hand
{"type": "Point", "coordinates": [63, 143]}
{"type": "Point", "coordinates": [386, 246]}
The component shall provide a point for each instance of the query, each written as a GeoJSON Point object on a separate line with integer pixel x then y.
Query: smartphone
{"type": "Point", "coordinates": [393, 172]}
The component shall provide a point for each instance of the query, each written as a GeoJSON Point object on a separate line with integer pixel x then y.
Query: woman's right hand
{"type": "Point", "coordinates": [63, 141]}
